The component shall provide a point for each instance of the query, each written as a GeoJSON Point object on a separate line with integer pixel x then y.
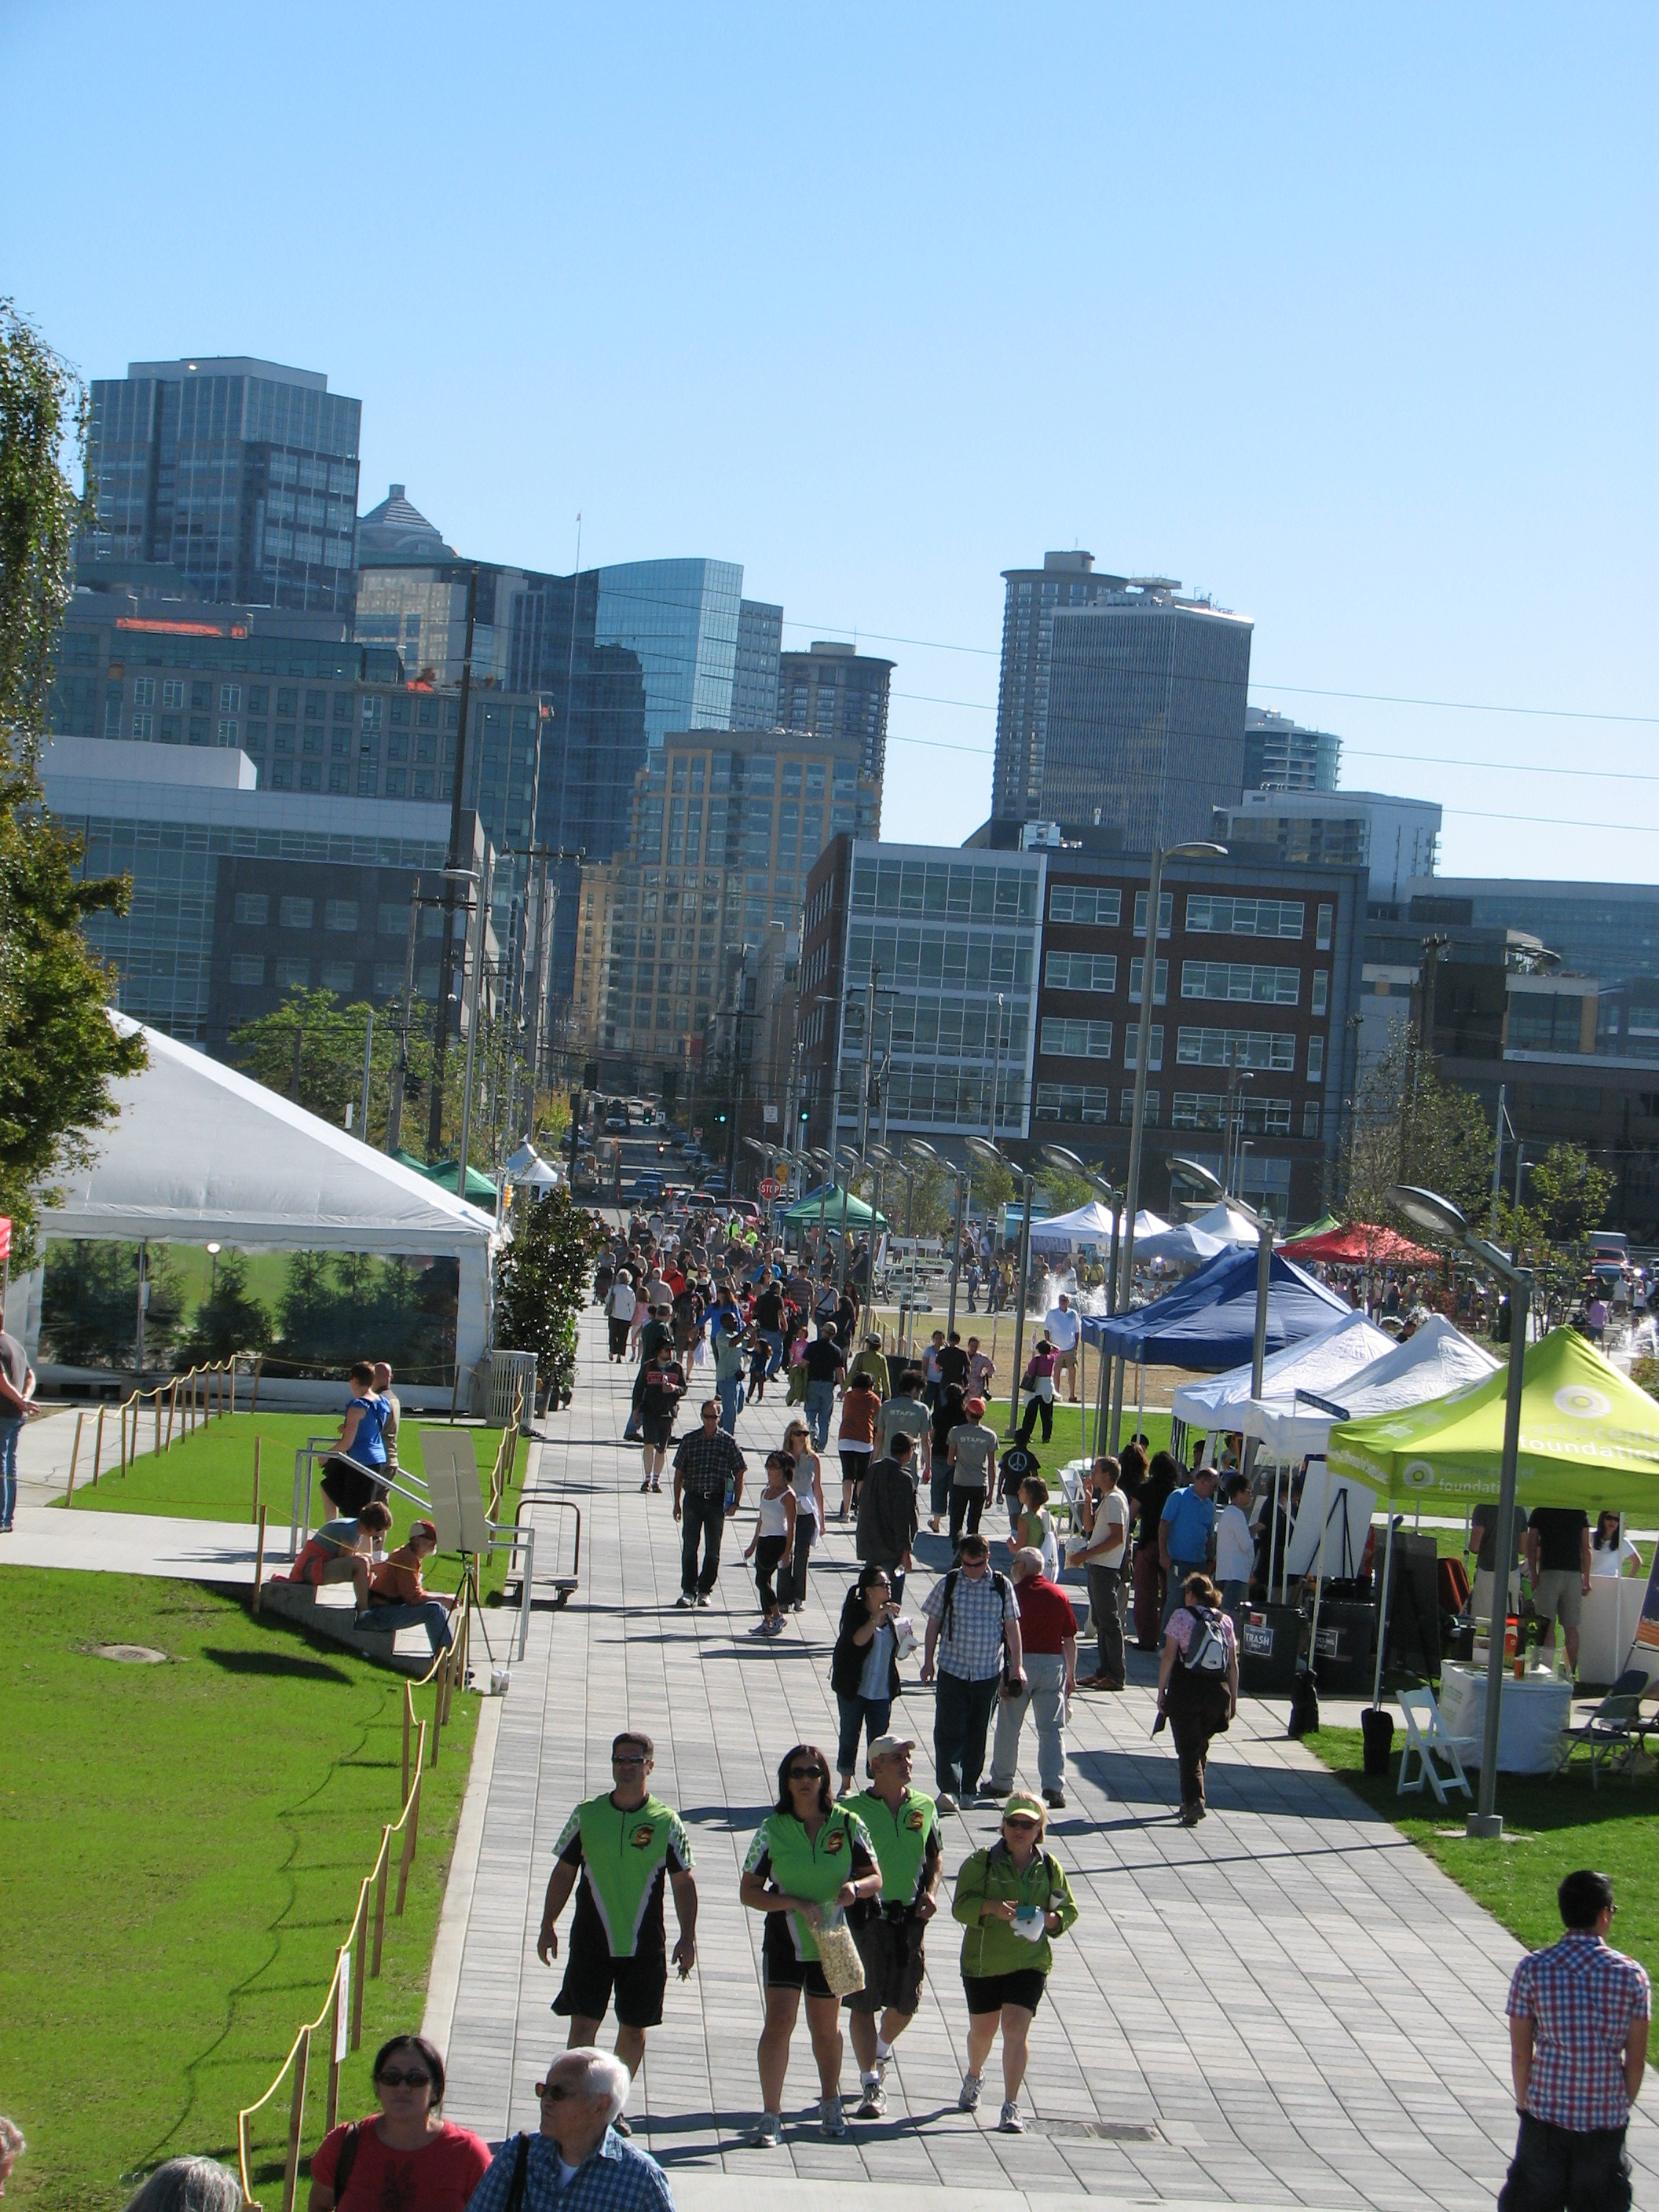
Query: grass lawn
{"type": "Point", "coordinates": [182, 1846]}
{"type": "Point", "coordinates": [1549, 1828]}
{"type": "Point", "coordinates": [209, 1476]}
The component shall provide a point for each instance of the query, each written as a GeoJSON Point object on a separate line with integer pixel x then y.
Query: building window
{"type": "Point", "coordinates": [1166, 913]}
{"type": "Point", "coordinates": [1154, 1047]}
{"type": "Point", "coordinates": [1321, 990]}
{"type": "Point", "coordinates": [226, 724]}
{"type": "Point", "coordinates": [1207, 1048]}
{"type": "Point", "coordinates": [287, 699]}
{"type": "Point", "coordinates": [1072, 1102]}
{"type": "Point", "coordinates": [343, 706]}
{"type": "Point", "coordinates": [1316, 1059]}
{"type": "Point", "coordinates": [113, 714]}
{"type": "Point", "coordinates": [255, 738]}
{"type": "Point", "coordinates": [1085, 902]}
{"type": "Point", "coordinates": [1126, 1106]}
{"type": "Point", "coordinates": [1080, 971]}
{"type": "Point", "coordinates": [252, 909]}
{"type": "Point", "coordinates": [201, 697]}
{"type": "Point", "coordinates": [171, 729]}
{"type": "Point", "coordinates": [293, 973]}
{"type": "Point", "coordinates": [247, 970]}
{"type": "Point", "coordinates": [397, 745]}
{"type": "Point", "coordinates": [311, 776]}
{"type": "Point", "coordinates": [312, 742]}
{"type": "Point", "coordinates": [284, 736]}
{"type": "Point", "coordinates": [1322, 937]}
{"type": "Point", "coordinates": [426, 714]}
{"type": "Point", "coordinates": [395, 779]}
{"type": "Point", "coordinates": [1208, 915]}
{"type": "Point", "coordinates": [338, 975]}
{"type": "Point", "coordinates": [259, 698]}
{"type": "Point", "coordinates": [1067, 1040]}
{"type": "Point", "coordinates": [1239, 979]}
{"type": "Point", "coordinates": [143, 728]}
{"type": "Point", "coordinates": [198, 729]}
{"type": "Point", "coordinates": [230, 698]}
{"type": "Point", "coordinates": [296, 913]}
{"type": "Point", "coordinates": [341, 914]}
{"type": "Point", "coordinates": [281, 775]}
{"type": "Point", "coordinates": [1198, 1109]}
{"type": "Point", "coordinates": [366, 773]}
{"type": "Point", "coordinates": [314, 703]}
{"type": "Point", "coordinates": [1160, 982]}
{"type": "Point", "coordinates": [399, 711]}
{"type": "Point", "coordinates": [393, 920]}
{"type": "Point", "coordinates": [173, 693]}
{"type": "Point", "coordinates": [388, 979]}
{"type": "Point", "coordinates": [422, 783]}
{"type": "Point", "coordinates": [339, 776]}
{"type": "Point", "coordinates": [144, 690]}
{"type": "Point", "coordinates": [1310, 1118]}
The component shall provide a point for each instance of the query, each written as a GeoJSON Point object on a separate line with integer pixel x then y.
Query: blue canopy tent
{"type": "Point", "coordinates": [1208, 1323]}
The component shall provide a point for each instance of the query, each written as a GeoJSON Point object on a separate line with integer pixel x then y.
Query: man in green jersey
{"type": "Point", "coordinates": [621, 1845]}
{"type": "Point", "coordinates": [903, 1826]}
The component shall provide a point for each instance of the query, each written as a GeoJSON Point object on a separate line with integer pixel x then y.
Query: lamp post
{"type": "Point", "coordinates": [213, 1278]}
{"type": "Point", "coordinates": [994, 1156]}
{"type": "Point", "coordinates": [1068, 1163]}
{"type": "Point", "coordinates": [849, 1164]}
{"type": "Point", "coordinates": [1426, 1209]}
{"type": "Point", "coordinates": [1195, 849]}
{"type": "Point", "coordinates": [1209, 1186]}
{"type": "Point", "coordinates": [921, 1149]}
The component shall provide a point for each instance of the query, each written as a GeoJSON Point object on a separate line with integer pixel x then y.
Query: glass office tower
{"type": "Point", "coordinates": [680, 619]}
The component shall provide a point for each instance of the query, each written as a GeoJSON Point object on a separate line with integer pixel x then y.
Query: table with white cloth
{"type": "Point", "coordinates": [1608, 1628]}
{"type": "Point", "coordinates": [1531, 1717]}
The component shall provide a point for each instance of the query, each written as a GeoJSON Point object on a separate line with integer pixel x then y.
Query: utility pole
{"type": "Point", "coordinates": [1497, 1160]}
{"type": "Point", "coordinates": [457, 859]}
{"type": "Point", "coordinates": [368, 1065]}
{"type": "Point", "coordinates": [394, 1112]}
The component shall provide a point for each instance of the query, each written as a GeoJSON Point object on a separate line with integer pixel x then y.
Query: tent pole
{"type": "Point", "coordinates": [1272, 1533]}
{"type": "Point", "coordinates": [1383, 1608]}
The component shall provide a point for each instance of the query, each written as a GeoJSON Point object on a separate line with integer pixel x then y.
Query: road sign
{"type": "Point", "coordinates": [768, 1188]}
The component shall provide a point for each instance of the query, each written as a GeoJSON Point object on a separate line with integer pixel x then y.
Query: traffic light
{"type": "Point", "coordinates": [805, 1113]}
{"type": "Point", "coordinates": [720, 1116]}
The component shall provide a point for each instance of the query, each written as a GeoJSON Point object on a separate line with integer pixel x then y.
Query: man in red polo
{"type": "Point", "coordinates": [1047, 1634]}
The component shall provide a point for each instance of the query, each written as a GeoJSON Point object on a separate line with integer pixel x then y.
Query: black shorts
{"type": "Point", "coordinates": [893, 1966]}
{"type": "Point", "coordinates": [990, 1992]}
{"type": "Point", "coordinates": [592, 1978]}
{"type": "Point", "coordinates": [657, 1429]}
{"type": "Point", "coordinates": [781, 1970]}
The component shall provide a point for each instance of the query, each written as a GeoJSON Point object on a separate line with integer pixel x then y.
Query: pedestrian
{"type": "Point", "coordinates": [1578, 2015]}
{"type": "Point", "coordinates": [406, 2153]}
{"type": "Point", "coordinates": [982, 1369]}
{"type": "Point", "coordinates": [864, 1666]}
{"type": "Point", "coordinates": [903, 1823]}
{"type": "Point", "coordinates": [659, 1398]}
{"type": "Point", "coordinates": [728, 1369]}
{"type": "Point", "coordinates": [952, 1363]}
{"type": "Point", "coordinates": [870, 1360]}
{"type": "Point", "coordinates": [905, 1409]}
{"type": "Point", "coordinates": [1103, 1516]}
{"type": "Point", "coordinates": [1186, 1531]}
{"type": "Point", "coordinates": [1014, 1462]}
{"type": "Point", "coordinates": [1557, 1556]}
{"type": "Point", "coordinates": [825, 1362]}
{"type": "Point", "coordinates": [12, 2146]}
{"type": "Point", "coordinates": [888, 1514]}
{"type": "Point", "coordinates": [619, 1304]}
{"type": "Point", "coordinates": [767, 1317]}
{"type": "Point", "coordinates": [619, 1851]}
{"type": "Point", "coordinates": [1038, 1385]}
{"type": "Point", "coordinates": [1063, 1327]}
{"type": "Point", "coordinates": [810, 1515]}
{"type": "Point", "coordinates": [657, 1336]}
{"type": "Point", "coordinates": [930, 1374]}
{"type": "Point", "coordinates": [339, 1551]}
{"type": "Point", "coordinates": [860, 1409]}
{"type": "Point", "coordinates": [1612, 1552]}
{"type": "Point", "coordinates": [392, 1411]}
{"type": "Point", "coordinates": [360, 1449]}
{"type": "Point", "coordinates": [1197, 1684]}
{"type": "Point", "coordinates": [578, 2160]}
{"type": "Point", "coordinates": [1033, 1525]}
{"type": "Point", "coordinates": [1483, 1542]}
{"type": "Point", "coordinates": [1012, 1899]}
{"type": "Point", "coordinates": [1048, 1638]}
{"type": "Point", "coordinates": [810, 1861]}
{"type": "Point", "coordinates": [973, 1620]}
{"type": "Point", "coordinates": [398, 1599]}
{"type": "Point", "coordinates": [971, 1453]}
{"type": "Point", "coordinates": [1234, 1547]}
{"type": "Point", "coordinates": [708, 1470]}
{"type": "Point", "coordinates": [773, 1539]}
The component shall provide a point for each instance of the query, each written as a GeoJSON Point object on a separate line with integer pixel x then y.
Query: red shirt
{"type": "Point", "coordinates": [438, 2178]}
{"type": "Point", "coordinates": [1046, 1618]}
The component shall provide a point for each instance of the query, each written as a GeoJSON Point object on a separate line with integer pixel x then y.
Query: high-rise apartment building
{"type": "Point", "coordinates": [1034, 595]}
{"type": "Point", "coordinates": [1395, 839]}
{"type": "Point", "coordinates": [242, 474]}
{"type": "Point", "coordinates": [836, 691]}
{"type": "Point", "coordinates": [755, 684]}
{"type": "Point", "coordinates": [1279, 754]}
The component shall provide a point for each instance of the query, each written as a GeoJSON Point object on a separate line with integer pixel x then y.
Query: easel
{"type": "Point", "coordinates": [1350, 1560]}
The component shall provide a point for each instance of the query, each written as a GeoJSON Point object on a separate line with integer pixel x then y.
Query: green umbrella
{"type": "Point", "coordinates": [1589, 1437]}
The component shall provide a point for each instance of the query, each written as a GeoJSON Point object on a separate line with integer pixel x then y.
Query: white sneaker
{"type": "Point", "coordinates": [768, 2135]}
{"type": "Point", "coordinates": [1011, 2123]}
{"type": "Point", "coordinates": [830, 2118]}
{"type": "Point", "coordinates": [969, 2101]}
{"type": "Point", "coordinates": [874, 2103]}
{"type": "Point", "coordinates": [946, 1801]}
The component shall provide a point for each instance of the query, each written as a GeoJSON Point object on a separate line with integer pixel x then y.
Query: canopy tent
{"type": "Point", "coordinates": [1208, 1323]}
{"type": "Point", "coordinates": [1227, 1225]}
{"type": "Point", "coordinates": [1365, 1244]}
{"type": "Point", "coordinates": [528, 1171]}
{"type": "Point", "coordinates": [479, 1188]}
{"type": "Point", "coordinates": [200, 1150]}
{"type": "Point", "coordinates": [1589, 1437]}
{"type": "Point", "coordinates": [1089, 1224]}
{"type": "Point", "coordinates": [1185, 1247]}
{"type": "Point", "coordinates": [1438, 1360]}
{"type": "Point", "coordinates": [1326, 1221]}
{"type": "Point", "coordinates": [804, 1213]}
{"type": "Point", "coordinates": [1322, 1362]}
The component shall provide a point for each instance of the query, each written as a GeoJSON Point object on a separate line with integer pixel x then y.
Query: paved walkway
{"type": "Point", "coordinates": [1289, 2005]}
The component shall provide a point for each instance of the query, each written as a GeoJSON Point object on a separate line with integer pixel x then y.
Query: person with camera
{"type": "Point", "coordinates": [903, 1823]}
{"type": "Point", "coordinates": [864, 1666]}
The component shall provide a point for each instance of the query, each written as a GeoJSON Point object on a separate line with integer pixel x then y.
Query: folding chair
{"type": "Point", "coordinates": [1426, 1734]}
{"type": "Point", "coordinates": [1614, 1726]}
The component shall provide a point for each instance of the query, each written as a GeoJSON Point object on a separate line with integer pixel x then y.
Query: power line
{"type": "Point", "coordinates": [1461, 706]}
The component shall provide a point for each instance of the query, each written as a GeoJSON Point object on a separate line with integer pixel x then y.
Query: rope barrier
{"type": "Point", "coordinates": [208, 1392]}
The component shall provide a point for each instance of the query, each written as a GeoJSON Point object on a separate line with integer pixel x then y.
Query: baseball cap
{"type": "Point", "coordinates": [974, 1407]}
{"type": "Point", "coordinates": [1020, 1803]}
{"type": "Point", "coordinates": [885, 1746]}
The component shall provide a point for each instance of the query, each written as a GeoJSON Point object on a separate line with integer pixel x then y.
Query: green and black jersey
{"type": "Point", "coordinates": [812, 1867]}
{"type": "Point", "coordinates": [907, 1843]}
{"type": "Point", "coordinates": [623, 1857]}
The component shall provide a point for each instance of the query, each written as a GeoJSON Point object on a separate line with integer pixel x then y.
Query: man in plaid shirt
{"type": "Point", "coordinates": [708, 1471]}
{"type": "Point", "coordinates": [1578, 2045]}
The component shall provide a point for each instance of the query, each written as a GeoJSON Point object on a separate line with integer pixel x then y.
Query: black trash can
{"type": "Point", "coordinates": [1377, 1728]}
{"type": "Point", "coordinates": [1343, 1661]}
{"type": "Point", "coordinates": [1268, 1644]}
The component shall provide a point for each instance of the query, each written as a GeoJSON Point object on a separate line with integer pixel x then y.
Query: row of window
{"type": "Point", "coordinates": [248, 970]}
{"type": "Point", "coordinates": [938, 887]}
{"type": "Point", "coordinates": [253, 912]}
{"type": "Point", "coordinates": [1063, 1039]}
{"type": "Point", "coordinates": [947, 1025]}
{"type": "Point", "coordinates": [951, 959]}
{"type": "Point", "coordinates": [1199, 979]}
{"type": "Point", "coordinates": [1189, 1110]}
{"type": "Point", "coordinates": [1207, 912]}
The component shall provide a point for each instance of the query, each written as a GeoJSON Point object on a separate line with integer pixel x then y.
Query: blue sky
{"type": "Point", "coordinates": [1345, 316]}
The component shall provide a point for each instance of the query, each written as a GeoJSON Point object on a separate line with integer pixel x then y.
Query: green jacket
{"type": "Point", "coordinates": [991, 1947]}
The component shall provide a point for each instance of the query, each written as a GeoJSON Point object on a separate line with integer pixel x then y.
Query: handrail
{"type": "Point", "coordinates": [344, 1999]}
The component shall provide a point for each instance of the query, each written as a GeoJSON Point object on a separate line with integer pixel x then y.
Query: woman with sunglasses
{"type": "Point", "coordinates": [1010, 1899]}
{"type": "Point", "coordinates": [810, 1516]}
{"type": "Point", "coordinates": [864, 1666]}
{"type": "Point", "coordinates": [811, 1858]}
{"type": "Point", "coordinates": [408, 2154]}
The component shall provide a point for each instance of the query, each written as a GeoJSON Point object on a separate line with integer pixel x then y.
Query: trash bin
{"type": "Point", "coordinates": [1377, 1728]}
{"type": "Point", "coordinates": [1268, 1643]}
{"type": "Point", "coordinates": [1343, 1661]}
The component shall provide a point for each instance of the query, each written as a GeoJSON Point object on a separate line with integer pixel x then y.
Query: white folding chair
{"type": "Point", "coordinates": [1426, 1734]}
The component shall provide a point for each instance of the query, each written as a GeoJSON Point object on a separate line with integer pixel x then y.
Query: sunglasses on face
{"type": "Point", "coordinates": [555, 2092]}
{"type": "Point", "coordinates": [805, 1774]}
{"type": "Point", "coordinates": [413, 2080]}
{"type": "Point", "coordinates": [628, 1758]}
{"type": "Point", "coordinates": [1019, 1820]}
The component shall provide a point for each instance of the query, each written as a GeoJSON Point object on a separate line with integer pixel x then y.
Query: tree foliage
{"type": "Point", "coordinates": [341, 1306]}
{"type": "Point", "coordinates": [228, 1322]}
{"type": "Point", "coordinates": [57, 1051]}
{"type": "Point", "coordinates": [89, 1305]}
{"type": "Point", "coordinates": [542, 1282]}
{"type": "Point", "coordinates": [1408, 1126]}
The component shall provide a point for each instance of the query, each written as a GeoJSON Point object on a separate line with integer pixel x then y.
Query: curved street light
{"type": "Point", "coordinates": [1070, 1163]}
{"type": "Point", "coordinates": [994, 1156]}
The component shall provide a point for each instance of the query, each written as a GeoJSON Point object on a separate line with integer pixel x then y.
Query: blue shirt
{"type": "Point", "coordinates": [367, 1447]}
{"type": "Point", "coordinates": [614, 2178]}
{"type": "Point", "coordinates": [1189, 1519]}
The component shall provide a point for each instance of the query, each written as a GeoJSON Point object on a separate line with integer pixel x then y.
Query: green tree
{"type": "Point", "coordinates": [89, 1304]}
{"type": "Point", "coordinates": [58, 1053]}
{"type": "Point", "coordinates": [1568, 1194]}
{"type": "Point", "coordinates": [1409, 1127]}
{"type": "Point", "coordinates": [229, 1321]}
{"type": "Point", "coordinates": [542, 1283]}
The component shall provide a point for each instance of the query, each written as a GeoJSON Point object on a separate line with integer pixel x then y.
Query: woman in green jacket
{"type": "Point", "coordinates": [1010, 1899]}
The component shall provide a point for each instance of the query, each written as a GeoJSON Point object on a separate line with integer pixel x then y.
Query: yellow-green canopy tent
{"type": "Point", "coordinates": [1589, 1437]}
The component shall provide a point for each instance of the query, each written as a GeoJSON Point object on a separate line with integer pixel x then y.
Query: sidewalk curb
{"type": "Point", "coordinates": [444, 1981]}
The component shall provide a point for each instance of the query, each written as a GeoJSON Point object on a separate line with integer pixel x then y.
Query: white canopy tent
{"type": "Point", "coordinates": [1226, 1225]}
{"type": "Point", "coordinates": [1186, 1246]}
{"type": "Point", "coordinates": [1438, 1360]}
{"type": "Point", "coordinates": [529, 1171]}
{"type": "Point", "coordinates": [1089, 1224]}
{"type": "Point", "coordinates": [1321, 1363]}
{"type": "Point", "coordinates": [201, 1151]}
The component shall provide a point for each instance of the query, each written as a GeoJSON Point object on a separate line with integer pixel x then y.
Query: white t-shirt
{"type": "Point", "coordinates": [1111, 1515]}
{"type": "Point", "coordinates": [1235, 1546]}
{"type": "Point", "coordinates": [1061, 1326]}
{"type": "Point", "coordinates": [1610, 1560]}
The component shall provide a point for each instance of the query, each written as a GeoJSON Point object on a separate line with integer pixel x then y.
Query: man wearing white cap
{"type": "Point", "coordinates": [903, 1826]}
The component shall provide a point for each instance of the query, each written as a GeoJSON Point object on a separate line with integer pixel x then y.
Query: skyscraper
{"type": "Point", "coordinates": [241, 473]}
{"type": "Point", "coordinates": [1279, 754]}
{"type": "Point", "coordinates": [755, 685]}
{"type": "Point", "coordinates": [836, 691]}
{"type": "Point", "coordinates": [1064, 580]}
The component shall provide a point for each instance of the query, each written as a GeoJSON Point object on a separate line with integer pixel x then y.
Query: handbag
{"type": "Point", "coordinates": [838, 1954]}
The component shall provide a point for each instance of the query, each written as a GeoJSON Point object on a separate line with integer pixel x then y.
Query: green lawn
{"type": "Point", "coordinates": [1550, 1827]}
{"type": "Point", "coordinates": [182, 1846]}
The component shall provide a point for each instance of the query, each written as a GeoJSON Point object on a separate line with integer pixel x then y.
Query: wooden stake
{"type": "Point", "coordinates": [158, 1427]}
{"type": "Point", "coordinates": [380, 1900]}
{"type": "Point", "coordinates": [258, 1361]}
{"type": "Point", "coordinates": [256, 1478]}
{"type": "Point", "coordinates": [404, 1799]}
{"type": "Point", "coordinates": [409, 1828]}
{"type": "Point", "coordinates": [359, 1944]}
{"type": "Point", "coordinates": [80, 1423]}
{"type": "Point", "coordinates": [98, 1445]}
{"type": "Point", "coordinates": [342, 1968]}
{"type": "Point", "coordinates": [296, 2115]}
{"type": "Point", "coordinates": [260, 1559]}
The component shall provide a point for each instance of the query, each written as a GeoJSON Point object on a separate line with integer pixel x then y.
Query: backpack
{"type": "Point", "coordinates": [1001, 1582]}
{"type": "Point", "coordinates": [1205, 1655]}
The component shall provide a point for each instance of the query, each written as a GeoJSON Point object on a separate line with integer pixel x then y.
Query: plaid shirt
{"type": "Point", "coordinates": [1582, 1998]}
{"type": "Point", "coordinates": [971, 1648]}
{"type": "Point", "coordinates": [615, 2177]}
{"type": "Point", "coordinates": [704, 1462]}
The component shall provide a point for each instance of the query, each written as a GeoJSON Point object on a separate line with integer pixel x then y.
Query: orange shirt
{"type": "Point", "coordinates": [859, 1411]}
{"type": "Point", "coordinates": [397, 1578]}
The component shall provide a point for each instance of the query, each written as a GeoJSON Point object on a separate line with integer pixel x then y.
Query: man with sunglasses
{"type": "Point", "coordinates": [577, 2160]}
{"type": "Point", "coordinates": [708, 1471]}
{"type": "Point", "coordinates": [624, 1846]}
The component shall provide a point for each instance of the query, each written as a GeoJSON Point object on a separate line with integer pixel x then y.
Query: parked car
{"type": "Point", "coordinates": [714, 1186]}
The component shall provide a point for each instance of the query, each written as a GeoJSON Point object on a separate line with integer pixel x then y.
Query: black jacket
{"type": "Point", "coordinates": [847, 1662]}
{"type": "Point", "coordinates": [888, 1514]}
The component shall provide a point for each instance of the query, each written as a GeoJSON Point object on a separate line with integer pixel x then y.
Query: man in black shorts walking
{"type": "Point", "coordinates": [903, 1826]}
{"type": "Point", "coordinates": [621, 1845]}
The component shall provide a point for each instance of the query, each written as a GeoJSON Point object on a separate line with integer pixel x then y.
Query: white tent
{"type": "Point", "coordinates": [1321, 1363]}
{"type": "Point", "coordinates": [530, 1170]}
{"type": "Point", "coordinates": [1091, 1225]}
{"type": "Point", "coordinates": [200, 1150]}
{"type": "Point", "coordinates": [1225, 1222]}
{"type": "Point", "coordinates": [1433, 1363]}
{"type": "Point", "coordinates": [1186, 1246]}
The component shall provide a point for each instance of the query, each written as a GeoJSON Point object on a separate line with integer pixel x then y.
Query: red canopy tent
{"type": "Point", "coordinates": [1365, 1243]}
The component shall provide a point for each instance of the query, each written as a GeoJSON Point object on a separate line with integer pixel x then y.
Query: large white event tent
{"type": "Point", "coordinates": [1432, 1364]}
{"type": "Point", "coordinates": [1226, 1225]}
{"type": "Point", "coordinates": [200, 1150]}
{"type": "Point", "coordinates": [1184, 1246]}
{"type": "Point", "coordinates": [1321, 1363]}
{"type": "Point", "coordinates": [1088, 1225]}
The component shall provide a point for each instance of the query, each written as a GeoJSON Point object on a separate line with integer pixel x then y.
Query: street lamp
{"type": "Point", "coordinates": [1068, 1163]}
{"type": "Point", "coordinates": [1426, 1209]}
{"type": "Point", "coordinates": [825, 1163]}
{"type": "Point", "coordinates": [213, 1280]}
{"type": "Point", "coordinates": [994, 1157]}
{"type": "Point", "coordinates": [850, 1165]}
{"type": "Point", "coordinates": [921, 1149]}
{"type": "Point", "coordinates": [1197, 848]}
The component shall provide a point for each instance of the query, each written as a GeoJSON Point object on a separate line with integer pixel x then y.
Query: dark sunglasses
{"type": "Point", "coordinates": [806, 1774]}
{"type": "Point", "coordinates": [413, 2080]}
{"type": "Point", "coordinates": [1019, 1820]}
{"type": "Point", "coordinates": [555, 2092]}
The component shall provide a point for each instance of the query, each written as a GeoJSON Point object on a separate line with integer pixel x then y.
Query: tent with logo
{"type": "Point", "coordinates": [1207, 1323]}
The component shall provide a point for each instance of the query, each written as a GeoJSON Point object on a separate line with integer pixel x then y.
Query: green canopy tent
{"type": "Point", "coordinates": [1322, 1227]}
{"type": "Point", "coordinates": [804, 1213]}
{"type": "Point", "coordinates": [479, 1188]}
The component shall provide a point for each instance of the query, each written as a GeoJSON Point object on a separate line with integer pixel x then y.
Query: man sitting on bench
{"type": "Point", "coordinates": [397, 1598]}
